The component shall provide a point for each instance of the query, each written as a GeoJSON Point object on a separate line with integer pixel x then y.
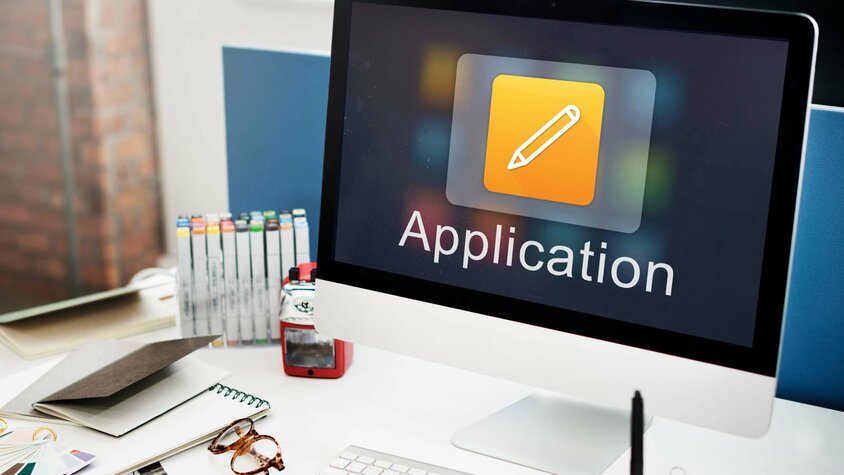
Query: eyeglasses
{"type": "Point", "coordinates": [253, 453]}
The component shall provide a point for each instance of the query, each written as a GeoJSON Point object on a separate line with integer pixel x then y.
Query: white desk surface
{"type": "Point", "coordinates": [408, 407]}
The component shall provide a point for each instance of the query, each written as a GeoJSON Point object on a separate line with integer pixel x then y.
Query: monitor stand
{"type": "Point", "coordinates": [552, 434]}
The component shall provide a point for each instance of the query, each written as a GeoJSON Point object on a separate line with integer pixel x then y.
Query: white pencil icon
{"type": "Point", "coordinates": [519, 159]}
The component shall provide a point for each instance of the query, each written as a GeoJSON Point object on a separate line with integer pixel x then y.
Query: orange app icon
{"type": "Point", "coordinates": [543, 138]}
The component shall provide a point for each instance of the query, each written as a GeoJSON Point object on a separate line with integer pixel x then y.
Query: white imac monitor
{"type": "Point", "coordinates": [588, 197]}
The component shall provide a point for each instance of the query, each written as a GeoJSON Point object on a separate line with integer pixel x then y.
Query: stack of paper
{"type": "Point", "coordinates": [65, 330]}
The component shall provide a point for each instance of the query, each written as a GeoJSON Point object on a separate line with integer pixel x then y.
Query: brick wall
{"type": "Point", "coordinates": [115, 183]}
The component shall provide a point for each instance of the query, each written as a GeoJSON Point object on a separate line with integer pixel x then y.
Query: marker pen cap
{"type": "Point", "coordinates": [272, 226]}
{"type": "Point", "coordinates": [227, 227]}
{"type": "Point", "coordinates": [213, 229]}
{"type": "Point", "coordinates": [197, 229]}
{"type": "Point", "coordinates": [256, 227]}
{"type": "Point", "coordinates": [226, 216]}
{"type": "Point", "coordinates": [299, 212]}
{"type": "Point", "coordinates": [294, 274]}
{"type": "Point", "coordinates": [182, 232]}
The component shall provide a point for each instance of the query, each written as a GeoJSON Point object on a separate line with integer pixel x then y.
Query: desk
{"type": "Point", "coordinates": [408, 407]}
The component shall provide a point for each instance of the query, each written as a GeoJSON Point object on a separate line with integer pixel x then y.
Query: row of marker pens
{"type": "Point", "coordinates": [230, 272]}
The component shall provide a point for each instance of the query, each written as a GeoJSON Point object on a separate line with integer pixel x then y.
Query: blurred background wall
{"type": "Point", "coordinates": [80, 202]}
{"type": "Point", "coordinates": [187, 39]}
{"type": "Point", "coordinates": [112, 122]}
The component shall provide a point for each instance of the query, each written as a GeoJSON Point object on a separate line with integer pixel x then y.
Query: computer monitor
{"type": "Point", "coordinates": [588, 197]}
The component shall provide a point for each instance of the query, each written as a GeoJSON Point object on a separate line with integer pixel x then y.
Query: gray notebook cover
{"type": "Point", "coordinates": [115, 386]}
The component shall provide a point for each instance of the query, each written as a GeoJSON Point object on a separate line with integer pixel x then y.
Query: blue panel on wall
{"type": "Point", "coordinates": [275, 130]}
{"type": "Point", "coordinates": [812, 362]}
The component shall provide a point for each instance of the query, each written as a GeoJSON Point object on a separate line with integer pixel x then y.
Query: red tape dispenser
{"type": "Point", "coordinates": [304, 352]}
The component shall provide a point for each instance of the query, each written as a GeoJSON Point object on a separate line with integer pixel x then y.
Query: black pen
{"type": "Point", "coordinates": [637, 431]}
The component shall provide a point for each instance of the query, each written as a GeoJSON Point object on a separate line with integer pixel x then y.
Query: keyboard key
{"type": "Point", "coordinates": [332, 471]}
{"type": "Point", "coordinates": [358, 461]}
{"type": "Point", "coordinates": [355, 467]}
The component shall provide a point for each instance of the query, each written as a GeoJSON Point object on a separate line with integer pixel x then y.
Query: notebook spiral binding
{"type": "Point", "coordinates": [234, 394]}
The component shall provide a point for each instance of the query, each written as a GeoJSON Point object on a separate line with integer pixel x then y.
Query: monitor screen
{"type": "Point", "coordinates": [619, 173]}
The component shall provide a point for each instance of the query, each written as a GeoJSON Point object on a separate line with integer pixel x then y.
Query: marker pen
{"type": "Point", "coordinates": [200, 278]}
{"type": "Point", "coordinates": [259, 282]}
{"type": "Point", "coordinates": [288, 248]}
{"type": "Point", "coordinates": [231, 300]}
{"type": "Point", "coordinates": [215, 282]}
{"type": "Point", "coordinates": [185, 282]}
{"type": "Point", "coordinates": [303, 246]}
{"type": "Point", "coordinates": [274, 276]}
{"type": "Point", "coordinates": [244, 278]}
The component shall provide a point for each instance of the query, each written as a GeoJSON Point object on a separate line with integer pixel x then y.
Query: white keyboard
{"type": "Point", "coordinates": [356, 460]}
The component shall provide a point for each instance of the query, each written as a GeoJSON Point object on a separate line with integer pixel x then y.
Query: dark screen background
{"type": "Point", "coordinates": [709, 173]}
{"type": "Point", "coordinates": [829, 15]}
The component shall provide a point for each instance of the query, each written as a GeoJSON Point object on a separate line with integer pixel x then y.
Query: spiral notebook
{"type": "Point", "coordinates": [187, 425]}
{"type": "Point", "coordinates": [115, 386]}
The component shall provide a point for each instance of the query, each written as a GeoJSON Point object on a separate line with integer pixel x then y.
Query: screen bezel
{"type": "Point", "coordinates": [761, 358]}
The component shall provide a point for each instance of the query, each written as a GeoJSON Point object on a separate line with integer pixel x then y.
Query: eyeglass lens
{"type": "Point", "coordinates": [234, 433]}
{"type": "Point", "coordinates": [254, 456]}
